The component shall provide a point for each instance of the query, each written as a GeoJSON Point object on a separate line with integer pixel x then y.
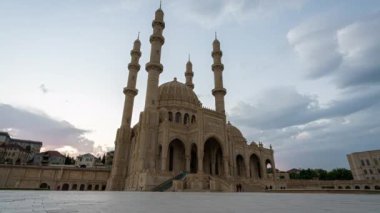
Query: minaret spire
{"type": "Point", "coordinates": [217, 67]}
{"type": "Point", "coordinates": [154, 66]}
{"type": "Point", "coordinates": [123, 142]}
{"type": "Point", "coordinates": [189, 74]}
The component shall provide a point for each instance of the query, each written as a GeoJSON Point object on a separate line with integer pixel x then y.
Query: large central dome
{"type": "Point", "coordinates": [177, 93]}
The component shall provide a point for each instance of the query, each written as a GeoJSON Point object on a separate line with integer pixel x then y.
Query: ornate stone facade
{"type": "Point", "coordinates": [176, 134]}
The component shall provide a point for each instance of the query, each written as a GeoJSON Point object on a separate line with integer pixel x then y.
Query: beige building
{"type": "Point", "coordinates": [178, 144]}
{"type": "Point", "coordinates": [365, 165]}
{"type": "Point", "coordinates": [49, 158]}
{"type": "Point", "coordinates": [13, 154]}
{"type": "Point", "coordinates": [85, 161]}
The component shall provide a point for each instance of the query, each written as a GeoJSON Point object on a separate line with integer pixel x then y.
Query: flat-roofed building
{"type": "Point", "coordinates": [365, 165]}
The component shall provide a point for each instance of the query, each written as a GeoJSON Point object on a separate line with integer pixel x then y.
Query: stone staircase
{"type": "Point", "coordinates": [166, 185]}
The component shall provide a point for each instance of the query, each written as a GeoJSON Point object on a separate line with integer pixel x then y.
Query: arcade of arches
{"type": "Point", "coordinates": [183, 157]}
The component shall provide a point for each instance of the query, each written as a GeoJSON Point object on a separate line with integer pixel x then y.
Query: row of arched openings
{"type": "Point", "coordinates": [212, 160]}
{"type": "Point", "coordinates": [177, 117]}
{"type": "Point", "coordinates": [254, 167]}
{"type": "Point", "coordinates": [75, 187]}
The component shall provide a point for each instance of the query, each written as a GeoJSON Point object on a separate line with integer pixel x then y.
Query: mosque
{"type": "Point", "coordinates": [177, 143]}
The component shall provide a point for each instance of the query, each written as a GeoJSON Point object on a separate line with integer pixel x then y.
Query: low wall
{"type": "Point", "coordinates": [328, 185]}
{"type": "Point", "coordinates": [52, 177]}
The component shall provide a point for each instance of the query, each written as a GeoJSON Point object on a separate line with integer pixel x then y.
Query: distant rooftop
{"type": "Point", "coordinates": [15, 140]}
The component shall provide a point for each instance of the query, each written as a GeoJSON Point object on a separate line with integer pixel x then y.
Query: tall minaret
{"type": "Point", "coordinates": [154, 66]}
{"type": "Point", "coordinates": [189, 74]}
{"type": "Point", "coordinates": [217, 67]}
{"type": "Point", "coordinates": [123, 136]}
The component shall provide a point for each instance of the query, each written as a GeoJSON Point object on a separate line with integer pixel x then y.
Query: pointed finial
{"type": "Point", "coordinates": [189, 56]}
{"type": "Point", "coordinates": [216, 37]}
{"type": "Point", "coordinates": [138, 35]}
{"type": "Point", "coordinates": [160, 3]}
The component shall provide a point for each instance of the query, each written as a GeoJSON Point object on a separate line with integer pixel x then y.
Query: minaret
{"type": "Point", "coordinates": [189, 74]}
{"type": "Point", "coordinates": [154, 66]}
{"type": "Point", "coordinates": [123, 136]}
{"type": "Point", "coordinates": [217, 67]}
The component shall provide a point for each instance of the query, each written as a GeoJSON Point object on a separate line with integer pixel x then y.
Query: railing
{"type": "Point", "coordinates": [168, 183]}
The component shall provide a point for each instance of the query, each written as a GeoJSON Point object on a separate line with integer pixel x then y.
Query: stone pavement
{"type": "Point", "coordinates": [158, 202]}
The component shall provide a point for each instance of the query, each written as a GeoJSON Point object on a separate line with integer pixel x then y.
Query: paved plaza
{"type": "Point", "coordinates": [144, 202]}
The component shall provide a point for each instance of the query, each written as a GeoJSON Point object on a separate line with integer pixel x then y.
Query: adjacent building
{"type": "Point", "coordinates": [17, 151]}
{"type": "Point", "coordinates": [49, 158]}
{"type": "Point", "coordinates": [11, 153]}
{"type": "Point", "coordinates": [365, 165]}
{"type": "Point", "coordinates": [86, 161]}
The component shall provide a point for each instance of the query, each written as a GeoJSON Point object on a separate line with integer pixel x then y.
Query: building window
{"type": "Point", "coordinates": [170, 116]}
{"type": "Point", "coordinates": [365, 172]}
{"type": "Point", "coordinates": [362, 162]}
{"type": "Point", "coordinates": [375, 161]}
{"type": "Point", "coordinates": [370, 171]}
{"type": "Point", "coordinates": [367, 162]}
{"type": "Point", "coordinates": [178, 117]}
{"type": "Point", "coordinates": [378, 170]}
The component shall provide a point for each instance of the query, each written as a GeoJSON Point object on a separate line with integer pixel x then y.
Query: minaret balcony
{"type": "Point", "coordinates": [154, 66]}
{"type": "Point", "coordinates": [217, 53]}
{"type": "Point", "coordinates": [217, 67]}
{"type": "Point", "coordinates": [158, 38]}
{"type": "Point", "coordinates": [128, 91]}
{"type": "Point", "coordinates": [219, 91]}
{"type": "Point", "coordinates": [132, 66]}
{"type": "Point", "coordinates": [158, 23]}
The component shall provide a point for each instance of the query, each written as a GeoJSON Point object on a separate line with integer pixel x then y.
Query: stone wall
{"type": "Point", "coordinates": [52, 177]}
{"type": "Point", "coordinates": [327, 185]}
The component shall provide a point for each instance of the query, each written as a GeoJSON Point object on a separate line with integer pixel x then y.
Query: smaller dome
{"type": "Point", "coordinates": [235, 134]}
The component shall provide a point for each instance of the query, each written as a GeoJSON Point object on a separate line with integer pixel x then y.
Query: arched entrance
{"type": "Point", "coordinates": [254, 167]}
{"type": "Point", "coordinates": [65, 187]}
{"type": "Point", "coordinates": [213, 158]}
{"type": "Point", "coordinates": [44, 186]}
{"type": "Point", "coordinates": [176, 153]}
{"type": "Point", "coordinates": [74, 187]}
{"type": "Point", "coordinates": [193, 159]}
{"type": "Point", "coordinates": [240, 166]}
{"type": "Point", "coordinates": [81, 188]}
{"type": "Point", "coordinates": [269, 168]}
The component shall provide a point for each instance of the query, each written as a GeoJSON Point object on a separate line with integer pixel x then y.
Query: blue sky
{"type": "Point", "coordinates": [301, 75]}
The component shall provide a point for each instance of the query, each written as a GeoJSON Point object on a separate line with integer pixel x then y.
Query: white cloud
{"type": "Point", "coordinates": [212, 13]}
{"type": "Point", "coordinates": [348, 52]}
{"type": "Point", "coordinates": [302, 136]}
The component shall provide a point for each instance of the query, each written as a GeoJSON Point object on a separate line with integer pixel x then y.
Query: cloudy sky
{"type": "Point", "coordinates": [301, 75]}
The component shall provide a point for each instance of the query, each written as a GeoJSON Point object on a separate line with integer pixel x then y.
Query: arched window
{"type": "Point", "coordinates": [178, 117]}
{"type": "Point", "coordinates": [365, 172]}
{"type": "Point", "coordinates": [193, 120]}
{"type": "Point", "coordinates": [65, 187]}
{"type": "Point", "coordinates": [186, 119]}
{"type": "Point", "coordinates": [74, 187]}
{"type": "Point", "coordinates": [170, 116]}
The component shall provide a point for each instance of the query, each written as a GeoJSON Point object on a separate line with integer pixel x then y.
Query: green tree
{"type": "Point", "coordinates": [340, 174]}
